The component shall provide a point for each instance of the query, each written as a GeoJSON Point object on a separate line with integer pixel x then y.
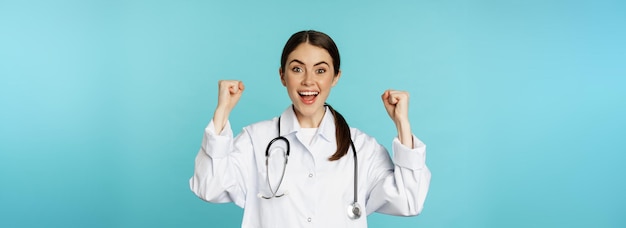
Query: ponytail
{"type": "Point", "coordinates": [342, 134]}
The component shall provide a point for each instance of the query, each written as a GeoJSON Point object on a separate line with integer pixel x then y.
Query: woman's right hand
{"type": "Point", "coordinates": [229, 92]}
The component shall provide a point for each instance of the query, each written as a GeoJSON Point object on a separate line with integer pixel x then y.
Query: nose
{"type": "Point", "coordinates": [308, 79]}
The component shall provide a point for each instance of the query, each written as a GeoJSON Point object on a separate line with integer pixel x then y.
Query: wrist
{"type": "Point", "coordinates": [402, 123]}
{"type": "Point", "coordinates": [405, 134]}
{"type": "Point", "coordinates": [220, 117]}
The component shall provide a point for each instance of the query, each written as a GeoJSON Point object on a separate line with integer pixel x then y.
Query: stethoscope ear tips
{"type": "Point", "coordinates": [354, 211]}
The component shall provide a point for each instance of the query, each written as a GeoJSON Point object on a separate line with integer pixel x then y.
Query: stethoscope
{"type": "Point", "coordinates": [354, 209]}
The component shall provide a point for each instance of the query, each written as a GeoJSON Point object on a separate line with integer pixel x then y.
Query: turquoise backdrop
{"type": "Point", "coordinates": [522, 104]}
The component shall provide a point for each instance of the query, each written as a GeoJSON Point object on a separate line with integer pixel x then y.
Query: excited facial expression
{"type": "Point", "coordinates": [309, 76]}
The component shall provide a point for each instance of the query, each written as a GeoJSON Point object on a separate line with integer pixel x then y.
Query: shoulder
{"type": "Point", "coordinates": [257, 132]}
{"type": "Point", "coordinates": [265, 126]}
{"type": "Point", "coordinates": [370, 152]}
{"type": "Point", "coordinates": [362, 139]}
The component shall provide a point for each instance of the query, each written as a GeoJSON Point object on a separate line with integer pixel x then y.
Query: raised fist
{"type": "Point", "coordinates": [229, 93]}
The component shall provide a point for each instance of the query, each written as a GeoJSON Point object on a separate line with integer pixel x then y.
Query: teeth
{"type": "Point", "coordinates": [309, 93]}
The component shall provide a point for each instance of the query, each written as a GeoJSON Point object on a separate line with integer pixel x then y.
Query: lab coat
{"type": "Point", "coordinates": [317, 191]}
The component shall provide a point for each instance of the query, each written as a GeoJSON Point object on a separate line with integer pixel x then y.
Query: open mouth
{"type": "Point", "coordinates": [308, 97]}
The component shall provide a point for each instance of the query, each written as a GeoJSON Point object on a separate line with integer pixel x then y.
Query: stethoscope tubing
{"type": "Point", "coordinates": [267, 170]}
{"type": "Point", "coordinates": [354, 210]}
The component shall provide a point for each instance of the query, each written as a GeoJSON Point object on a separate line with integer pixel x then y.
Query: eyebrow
{"type": "Point", "coordinates": [300, 62]}
{"type": "Point", "coordinates": [320, 63]}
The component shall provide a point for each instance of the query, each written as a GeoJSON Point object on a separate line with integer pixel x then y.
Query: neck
{"type": "Point", "coordinates": [310, 120]}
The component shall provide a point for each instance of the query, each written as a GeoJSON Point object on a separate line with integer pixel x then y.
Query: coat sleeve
{"type": "Point", "coordinates": [222, 165]}
{"type": "Point", "coordinates": [399, 187]}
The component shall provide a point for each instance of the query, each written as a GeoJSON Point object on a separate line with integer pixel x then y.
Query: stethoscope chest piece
{"type": "Point", "coordinates": [354, 211]}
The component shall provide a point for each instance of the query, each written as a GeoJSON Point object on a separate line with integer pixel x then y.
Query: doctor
{"type": "Point", "coordinates": [322, 173]}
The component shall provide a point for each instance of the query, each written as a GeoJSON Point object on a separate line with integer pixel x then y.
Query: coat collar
{"type": "Point", "coordinates": [289, 124]}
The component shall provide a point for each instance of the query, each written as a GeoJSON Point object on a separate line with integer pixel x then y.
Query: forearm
{"type": "Point", "coordinates": [404, 133]}
{"type": "Point", "coordinates": [412, 190]}
{"type": "Point", "coordinates": [209, 181]}
{"type": "Point", "coordinates": [404, 188]}
{"type": "Point", "coordinates": [205, 182]}
{"type": "Point", "coordinates": [410, 167]}
{"type": "Point", "coordinates": [220, 117]}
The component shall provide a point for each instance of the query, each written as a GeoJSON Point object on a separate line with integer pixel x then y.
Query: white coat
{"type": "Point", "coordinates": [318, 191]}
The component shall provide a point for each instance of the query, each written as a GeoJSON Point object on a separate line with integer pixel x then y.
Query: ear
{"type": "Point", "coordinates": [282, 76]}
{"type": "Point", "coordinates": [336, 78]}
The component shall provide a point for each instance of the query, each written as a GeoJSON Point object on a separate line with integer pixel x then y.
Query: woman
{"type": "Point", "coordinates": [332, 175]}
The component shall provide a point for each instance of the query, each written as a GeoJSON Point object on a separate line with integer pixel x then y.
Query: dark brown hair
{"type": "Point", "coordinates": [314, 38]}
{"type": "Point", "coordinates": [319, 39]}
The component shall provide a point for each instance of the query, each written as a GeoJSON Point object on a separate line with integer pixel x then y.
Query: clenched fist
{"type": "Point", "coordinates": [397, 106]}
{"type": "Point", "coordinates": [229, 93]}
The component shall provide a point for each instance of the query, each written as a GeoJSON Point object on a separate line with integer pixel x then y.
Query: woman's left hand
{"type": "Point", "coordinates": [397, 105]}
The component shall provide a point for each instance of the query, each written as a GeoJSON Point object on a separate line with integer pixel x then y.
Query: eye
{"type": "Point", "coordinates": [321, 71]}
{"type": "Point", "coordinates": [296, 69]}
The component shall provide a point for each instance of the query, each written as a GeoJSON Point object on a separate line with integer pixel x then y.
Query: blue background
{"type": "Point", "coordinates": [521, 103]}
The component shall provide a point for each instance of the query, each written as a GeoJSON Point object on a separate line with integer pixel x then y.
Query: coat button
{"type": "Point", "coordinates": [308, 219]}
{"type": "Point", "coordinates": [310, 174]}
